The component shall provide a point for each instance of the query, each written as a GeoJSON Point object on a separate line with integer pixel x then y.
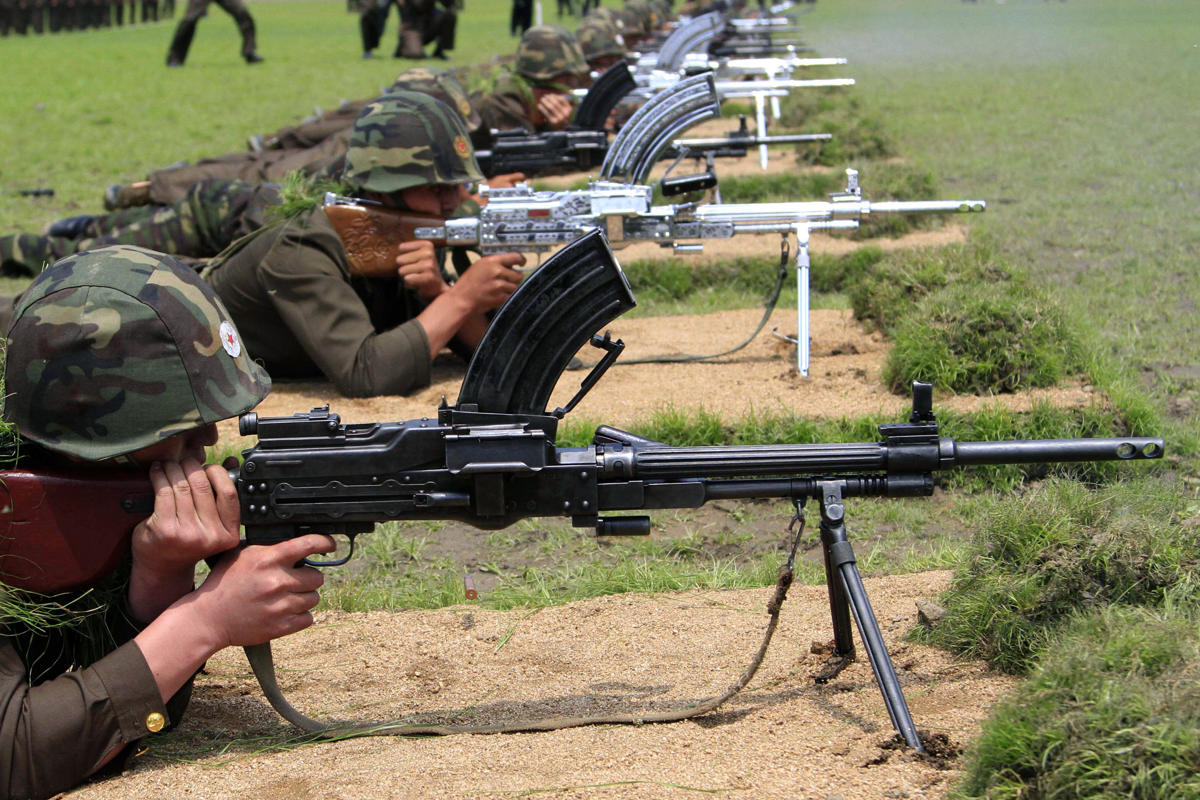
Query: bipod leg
{"type": "Point", "coordinates": [846, 590]}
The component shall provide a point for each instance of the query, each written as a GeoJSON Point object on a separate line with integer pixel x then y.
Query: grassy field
{"type": "Point", "coordinates": [1075, 120]}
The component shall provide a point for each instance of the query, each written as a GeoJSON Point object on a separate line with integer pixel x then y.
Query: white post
{"type": "Point", "coordinates": [802, 299]}
{"type": "Point", "coordinates": [537, 13]}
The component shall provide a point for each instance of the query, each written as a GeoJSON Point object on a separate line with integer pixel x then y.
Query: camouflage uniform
{"type": "Point", "coordinates": [290, 288]}
{"type": "Point", "coordinates": [440, 83]}
{"type": "Point", "coordinates": [111, 351]}
{"type": "Point", "coordinates": [170, 186]}
{"type": "Point", "coordinates": [196, 9]}
{"type": "Point", "coordinates": [210, 217]}
{"type": "Point", "coordinates": [506, 98]}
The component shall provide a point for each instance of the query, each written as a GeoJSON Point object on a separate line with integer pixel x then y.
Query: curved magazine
{"type": "Point", "coordinates": [533, 336]}
{"type": "Point", "coordinates": [656, 124]}
{"type": "Point", "coordinates": [602, 97]}
{"type": "Point", "coordinates": [691, 37]}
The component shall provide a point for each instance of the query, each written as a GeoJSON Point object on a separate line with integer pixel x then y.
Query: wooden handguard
{"type": "Point", "coordinates": [61, 531]}
{"type": "Point", "coordinates": [372, 235]}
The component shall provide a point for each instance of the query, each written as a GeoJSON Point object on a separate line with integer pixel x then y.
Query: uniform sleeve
{"type": "Point", "coordinates": [310, 292]}
{"type": "Point", "coordinates": [55, 734]}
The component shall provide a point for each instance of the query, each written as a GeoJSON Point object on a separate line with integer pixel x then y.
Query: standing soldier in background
{"type": "Point", "coordinates": [522, 17]}
{"type": "Point", "coordinates": [422, 22]}
{"type": "Point", "coordinates": [186, 30]}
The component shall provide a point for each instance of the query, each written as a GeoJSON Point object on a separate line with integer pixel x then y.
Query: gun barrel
{"type": "Point", "coordinates": [1134, 448]}
{"type": "Point", "coordinates": [749, 88]}
{"type": "Point", "coordinates": [660, 462]}
{"type": "Point", "coordinates": [665, 463]}
{"type": "Point", "coordinates": [915, 206]}
{"type": "Point", "coordinates": [779, 62]}
{"type": "Point", "coordinates": [750, 141]}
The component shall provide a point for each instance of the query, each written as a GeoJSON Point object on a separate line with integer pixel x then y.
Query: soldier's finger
{"type": "Point", "coordinates": [164, 496]}
{"type": "Point", "coordinates": [181, 489]}
{"type": "Point", "coordinates": [228, 508]}
{"type": "Point", "coordinates": [203, 502]}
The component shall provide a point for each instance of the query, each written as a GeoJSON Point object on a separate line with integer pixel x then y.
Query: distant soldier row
{"type": "Point", "coordinates": [52, 16]}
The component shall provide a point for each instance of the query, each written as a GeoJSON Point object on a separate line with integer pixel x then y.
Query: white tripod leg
{"type": "Point", "coordinates": [760, 120]}
{"type": "Point", "coordinates": [802, 265]}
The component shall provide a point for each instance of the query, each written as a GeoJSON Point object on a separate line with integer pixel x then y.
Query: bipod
{"type": "Point", "coordinates": [848, 595]}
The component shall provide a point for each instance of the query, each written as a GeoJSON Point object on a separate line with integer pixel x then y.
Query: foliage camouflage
{"type": "Point", "coordinates": [546, 51]}
{"type": "Point", "coordinates": [115, 349]}
{"type": "Point", "coordinates": [405, 139]}
{"type": "Point", "coordinates": [443, 85]}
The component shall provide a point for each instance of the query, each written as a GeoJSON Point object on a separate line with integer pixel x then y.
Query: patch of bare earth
{"type": "Point", "coordinates": [784, 736]}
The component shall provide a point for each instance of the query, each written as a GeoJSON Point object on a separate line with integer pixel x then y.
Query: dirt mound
{"type": "Point", "coordinates": [784, 736]}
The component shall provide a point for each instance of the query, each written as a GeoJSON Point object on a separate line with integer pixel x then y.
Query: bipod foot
{"type": "Point", "coordinates": [833, 667]}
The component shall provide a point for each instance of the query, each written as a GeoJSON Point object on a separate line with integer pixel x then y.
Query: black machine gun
{"type": "Point", "coordinates": [585, 144]}
{"type": "Point", "coordinates": [492, 459]}
{"type": "Point", "coordinates": [553, 151]}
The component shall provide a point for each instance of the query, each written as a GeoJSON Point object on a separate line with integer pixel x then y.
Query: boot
{"type": "Point", "coordinates": [410, 44]}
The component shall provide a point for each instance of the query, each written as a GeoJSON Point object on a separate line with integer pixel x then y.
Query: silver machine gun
{"type": "Point", "coordinates": [621, 204]}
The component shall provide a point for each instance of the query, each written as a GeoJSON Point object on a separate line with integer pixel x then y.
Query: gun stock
{"type": "Point", "coordinates": [372, 234]}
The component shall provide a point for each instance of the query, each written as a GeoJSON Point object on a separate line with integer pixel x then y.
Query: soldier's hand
{"type": "Point", "coordinates": [196, 515]}
{"type": "Point", "coordinates": [259, 593]}
{"type": "Point", "coordinates": [490, 280]}
{"type": "Point", "coordinates": [416, 264]}
{"type": "Point", "coordinates": [506, 181]}
{"type": "Point", "coordinates": [556, 110]}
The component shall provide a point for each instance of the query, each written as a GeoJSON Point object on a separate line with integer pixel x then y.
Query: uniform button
{"type": "Point", "coordinates": [155, 722]}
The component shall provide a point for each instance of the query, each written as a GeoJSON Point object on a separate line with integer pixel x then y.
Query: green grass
{"type": "Point", "coordinates": [83, 110]}
{"type": "Point", "coordinates": [1074, 121]}
{"type": "Point", "coordinates": [1066, 549]}
{"type": "Point", "coordinates": [1112, 712]}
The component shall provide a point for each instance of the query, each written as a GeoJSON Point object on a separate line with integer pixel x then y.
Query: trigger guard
{"type": "Point", "coordinates": [336, 563]}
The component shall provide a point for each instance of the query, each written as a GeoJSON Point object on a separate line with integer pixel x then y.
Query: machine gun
{"type": "Point", "coordinates": [551, 151]}
{"type": "Point", "coordinates": [492, 459]}
{"type": "Point", "coordinates": [524, 220]}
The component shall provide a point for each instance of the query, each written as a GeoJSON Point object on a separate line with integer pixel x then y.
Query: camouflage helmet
{"type": "Point", "coordinates": [549, 50]}
{"type": "Point", "coordinates": [405, 139]}
{"type": "Point", "coordinates": [600, 38]}
{"type": "Point", "coordinates": [115, 349]}
{"type": "Point", "coordinates": [633, 27]}
{"type": "Point", "coordinates": [609, 15]}
{"type": "Point", "coordinates": [646, 14]}
{"type": "Point", "coordinates": [443, 85]}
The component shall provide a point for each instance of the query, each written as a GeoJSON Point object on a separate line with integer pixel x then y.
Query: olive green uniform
{"type": "Point", "coordinates": [58, 723]}
{"type": "Point", "coordinates": [169, 186]}
{"type": "Point", "coordinates": [290, 293]}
